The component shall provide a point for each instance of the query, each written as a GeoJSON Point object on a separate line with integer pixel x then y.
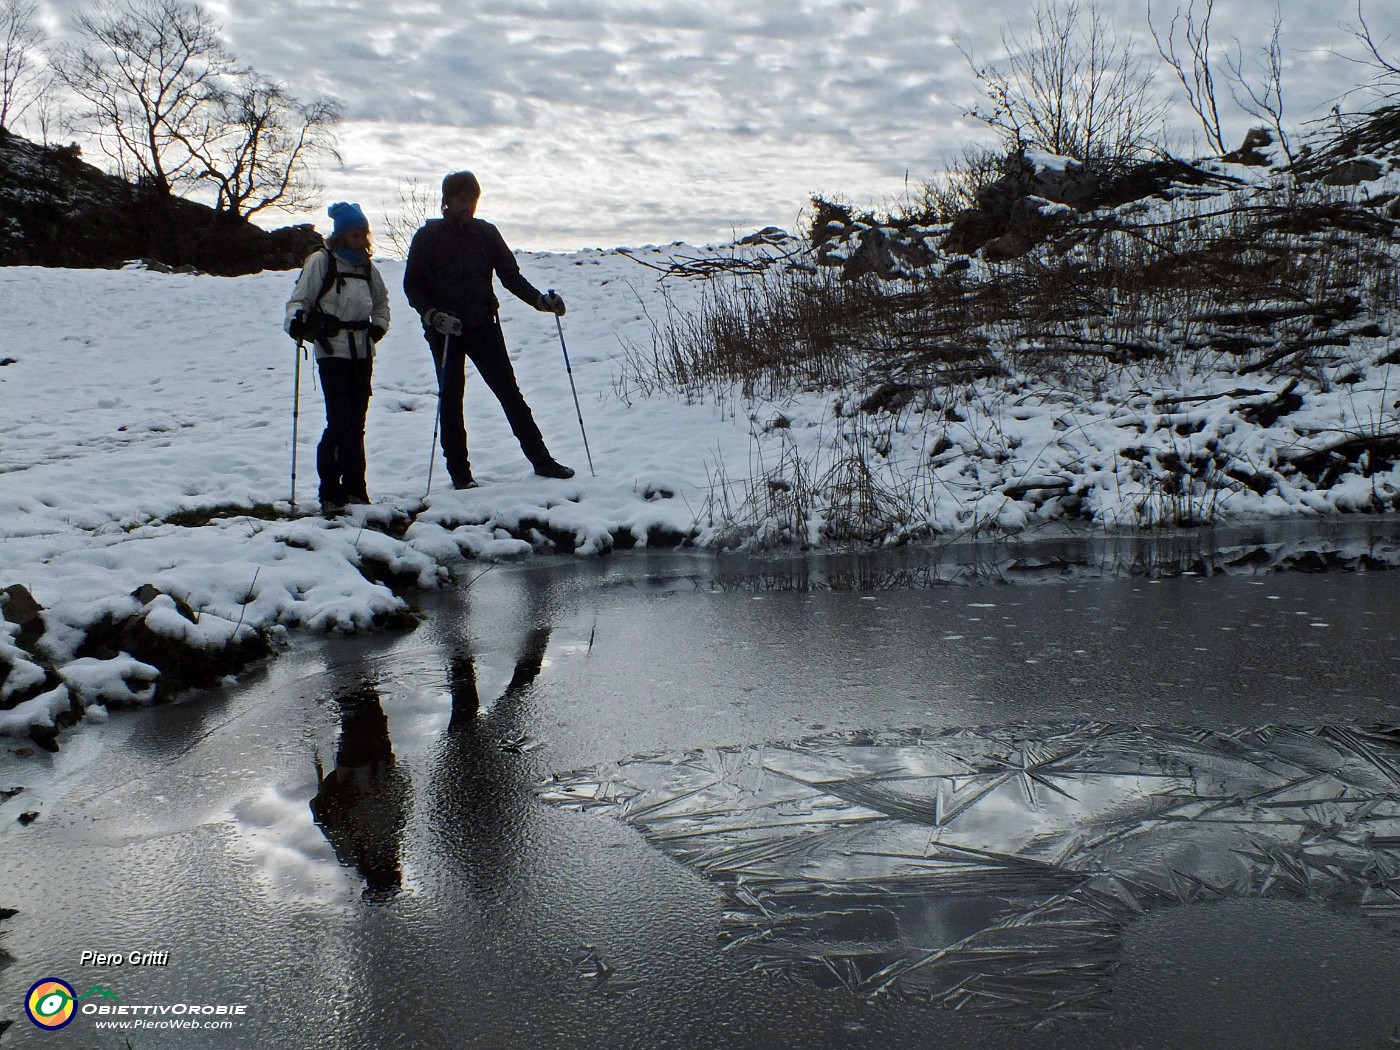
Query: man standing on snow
{"type": "Point", "coordinates": [448, 281]}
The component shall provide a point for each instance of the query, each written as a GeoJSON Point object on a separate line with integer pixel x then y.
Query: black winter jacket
{"type": "Point", "coordinates": [450, 265]}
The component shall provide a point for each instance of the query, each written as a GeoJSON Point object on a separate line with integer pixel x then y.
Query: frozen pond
{"type": "Point", "coordinates": [1057, 795]}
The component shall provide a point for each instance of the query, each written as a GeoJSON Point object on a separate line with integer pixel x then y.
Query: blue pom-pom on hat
{"type": "Point", "coordinates": [347, 217]}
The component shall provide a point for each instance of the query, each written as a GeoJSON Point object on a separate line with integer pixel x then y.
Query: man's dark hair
{"type": "Point", "coordinates": [460, 182]}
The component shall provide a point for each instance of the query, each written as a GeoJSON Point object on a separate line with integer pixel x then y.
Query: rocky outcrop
{"type": "Point", "coordinates": [1251, 152]}
{"type": "Point", "coordinates": [23, 675]}
{"type": "Point", "coordinates": [862, 250]}
{"type": "Point", "coordinates": [1353, 173]}
{"type": "Point", "coordinates": [1039, 198]}
{"type": "Point", "coordinates": [182, 658]}
{"type": "Point", "coordinates": [57, 210]}
{"type": "Point", "coordinates": [1032, 201]}
{"type": "Point", "coordinates": [155, 639]}
{"type": "Point", "coordinates": [18, 607]}
{"type": "Point", "coordinates": [1360, 153]}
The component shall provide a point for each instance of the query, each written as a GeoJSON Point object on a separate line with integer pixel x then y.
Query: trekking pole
{"type": "Point", "coordinates": [296, 417]}
{"type": "Point", "coordinates": [437, 420]}
{"type": "Point", "coordinates": [569, 368]}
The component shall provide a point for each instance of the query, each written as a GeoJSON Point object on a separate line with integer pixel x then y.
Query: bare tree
{"type": "Point", "coordinates": [257, 144]}
{"type": "Point", "coordinates": [146, 71]}
{"type": "Point", "coordinates": [1199, 79]}
{"type": "Point", "coordinates": [418, 202]}
{"type": "Point", "coordinates": [20, 37]}
{"type": "Point", "coordinates": [1074, 88]}
{"type": "Point", "coordinates": [1261, 95]}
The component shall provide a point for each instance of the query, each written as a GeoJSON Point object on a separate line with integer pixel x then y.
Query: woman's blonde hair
{"type": "Point", "coordinates": [335, 241]}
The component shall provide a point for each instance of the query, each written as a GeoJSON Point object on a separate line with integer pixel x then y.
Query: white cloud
{"type": "Point", "coordinates": [625, 121]}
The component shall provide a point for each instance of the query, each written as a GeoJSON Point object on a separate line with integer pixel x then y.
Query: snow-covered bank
{"type": "Point", "coordinates": [146, 437]}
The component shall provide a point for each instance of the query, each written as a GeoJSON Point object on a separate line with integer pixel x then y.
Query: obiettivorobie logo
{"type": "Point", "coordinates": [51, 1004]}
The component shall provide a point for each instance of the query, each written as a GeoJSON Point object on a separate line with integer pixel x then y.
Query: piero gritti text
{"type": "Point", "coordinates": [124, 959]}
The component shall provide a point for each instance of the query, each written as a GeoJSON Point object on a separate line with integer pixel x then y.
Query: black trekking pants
{"type": "Point", "coordinates": [340, 457]}
{"type": "Point", "coordinates": [486, 347]}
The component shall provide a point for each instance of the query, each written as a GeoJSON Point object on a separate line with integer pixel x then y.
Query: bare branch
{"type": "Point", "coordinates": [258, 144]}
{"type": "Point", "coordinates": [1199, 81]}
{"type": "Point", "coordinates": [1263, 99]}
{"type": "Point", "coordinates": [418, 202]}
{"type": "Point", "coordinates": [1385, 70]}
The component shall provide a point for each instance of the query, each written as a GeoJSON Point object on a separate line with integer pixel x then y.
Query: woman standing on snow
{"type": "Point", "coordinates": [341, 304]}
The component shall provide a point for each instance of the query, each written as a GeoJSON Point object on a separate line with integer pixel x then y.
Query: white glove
{"type": "Point", "coordinates": [442, 322]}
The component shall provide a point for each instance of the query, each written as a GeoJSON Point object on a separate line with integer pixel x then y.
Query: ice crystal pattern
{"type": "Point", "coordinates": [995, 868]}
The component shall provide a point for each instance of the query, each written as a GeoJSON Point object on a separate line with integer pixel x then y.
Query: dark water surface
{"type": "Point", "coordinates": [1042, 796]}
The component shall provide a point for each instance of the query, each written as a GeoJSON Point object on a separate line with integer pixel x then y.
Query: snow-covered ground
{"type": "Point", "coordinates": [131, 396]}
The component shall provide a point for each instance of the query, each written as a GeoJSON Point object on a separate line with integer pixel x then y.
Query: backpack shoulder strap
{"type": "Point", "coordinates": [332, 277]}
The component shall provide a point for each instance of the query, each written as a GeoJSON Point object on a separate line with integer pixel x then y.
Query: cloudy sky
{"type": "Point", "coordinates": [595, 123]}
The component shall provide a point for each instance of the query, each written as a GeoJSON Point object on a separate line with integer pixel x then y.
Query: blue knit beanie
{"type": "Point", "coordinates": [347, 217]}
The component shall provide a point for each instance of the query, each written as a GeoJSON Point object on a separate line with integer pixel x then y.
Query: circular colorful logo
{"type": "Point", "coordinates": [50, 1003]}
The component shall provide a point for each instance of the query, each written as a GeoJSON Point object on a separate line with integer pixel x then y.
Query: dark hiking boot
{"type": "Point", "coordinates": [358, 497]}
{"type": "Point", "coordinates": [331, 508]}
{"type": "Point", "coordinates": [467, 482]}
{"type": "Point", "coordinates": [550, 469]}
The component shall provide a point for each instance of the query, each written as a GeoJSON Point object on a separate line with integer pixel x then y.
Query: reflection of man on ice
{"type": "Point", "coordinates": [362, 804]}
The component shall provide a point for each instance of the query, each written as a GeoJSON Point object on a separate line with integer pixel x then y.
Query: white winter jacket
{"type": "Point", "coordinates": [357, 294]}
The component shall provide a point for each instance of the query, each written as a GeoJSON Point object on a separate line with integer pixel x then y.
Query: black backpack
{"type": "Point", "coordinates": [328, 325]}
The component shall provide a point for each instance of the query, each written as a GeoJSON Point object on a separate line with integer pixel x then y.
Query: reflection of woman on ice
{"type": "Point", "coordinates": [341, 304]}
{"type": "Point", "coordinates": [362, 804]}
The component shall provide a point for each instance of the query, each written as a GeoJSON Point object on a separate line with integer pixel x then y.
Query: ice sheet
{"type": "Point", "coordinates": [994, 868]}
